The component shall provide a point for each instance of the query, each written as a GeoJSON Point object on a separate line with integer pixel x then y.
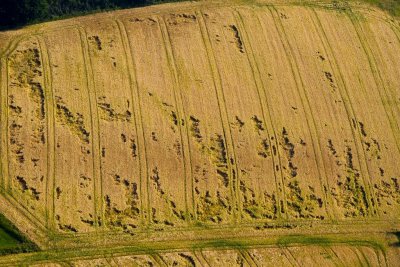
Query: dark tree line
{"type": "Point", "coordinates": [15, 13]}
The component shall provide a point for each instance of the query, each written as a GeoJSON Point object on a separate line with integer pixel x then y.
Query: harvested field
{"type": "Point", "coordinates": [204, 134]}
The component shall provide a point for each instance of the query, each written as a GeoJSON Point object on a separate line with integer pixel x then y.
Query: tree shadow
{"type": "Point", "coordinates": [396, 244]}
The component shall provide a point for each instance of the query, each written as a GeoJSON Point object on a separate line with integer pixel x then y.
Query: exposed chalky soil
{"type": "Point", "coordinates": [244, 127]}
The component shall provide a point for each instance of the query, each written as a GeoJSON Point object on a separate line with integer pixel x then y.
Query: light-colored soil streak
{"type": "Point", "coordinates": [205, 134]}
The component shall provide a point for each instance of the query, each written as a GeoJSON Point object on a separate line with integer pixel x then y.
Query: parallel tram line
{"type": "Point", "coordinates": [230, 150]}
{"type": "Point", "coordinates": [4, 127]}
{"type": "Point", "coordinates": [310, 120]}
{"type": "Point", "coordinates": [181, 114]}
{"type": "Point", "coordinates": [50, 104]}
{"type": "Point", "coordinates": [345, 97]}
{"type": "Point", "coordinates": [12, 45]}
{"type": "Point", "coordinates": [9, 193]}
{"type": "Point", "coordinates": [333, 254]}
{"type": "Point", "coordinates": [158, 259]}
{"type": "Point", "coordinates": [379, 84]}
{"type": "Point", "coordinates": [6, 122]}
{"type": "Point", "coordinates": [95, 127]}
{"type": "Point", "coordinates": [247, 257]}
{"type": "Point", "coordinates": [266, 113]}
{"type": "Point", "coordinates": [51, 120]}
{"type": "Point", "coordinates": [138, 121]}
{"type": "Point", "coordinates": [388, 93]}
{"type": "Point", "coordinates": [200, 257]}
{"type": "Point", "coordinates": [289, 256]}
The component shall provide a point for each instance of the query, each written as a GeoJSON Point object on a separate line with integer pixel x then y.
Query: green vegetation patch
{"type": "Point", "coordinates": [303, 240]}
{"type": "Point", "coordinates": [391, 6]}
{"type": "Point", "coordinates": [11, 240]}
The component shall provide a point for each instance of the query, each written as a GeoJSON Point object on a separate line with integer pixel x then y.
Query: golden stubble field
{"type": "Point", "coordinates": [207, 121]}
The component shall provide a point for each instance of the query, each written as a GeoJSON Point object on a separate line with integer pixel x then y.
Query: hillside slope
{"type": "Point", "coordinates": [205, 122]}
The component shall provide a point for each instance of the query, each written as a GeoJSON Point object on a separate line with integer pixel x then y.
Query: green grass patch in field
{"type": "Point", "coordinates": [220, 244]}
{"type": "Point", "coordinates": [303, 240]}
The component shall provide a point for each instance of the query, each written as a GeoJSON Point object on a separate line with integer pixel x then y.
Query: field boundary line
{"type": "Point", "coordinates": [50, 123]}
{"type": "Point", "coordinates": [91, 90]}
{"type": "Point", "coordinates": [261, 88]}
{"type": "Point", "coordinates": [345, 99]}
{"type": "Point", "coordinates": [187, 156]}
{"type": "Point", "coordinates": [80, 238]}
{"type": "Point", "coordinates": [218, 87]}
{"type": "Point", "coordinates": [166, 246]}
{"type": "Point", "coordinates": [305, 102]}
{"type": "Point", "coordinates": [134, 88]}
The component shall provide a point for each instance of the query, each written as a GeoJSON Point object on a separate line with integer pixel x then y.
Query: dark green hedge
{"type": "Point", "coordinates": [15, 13]}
